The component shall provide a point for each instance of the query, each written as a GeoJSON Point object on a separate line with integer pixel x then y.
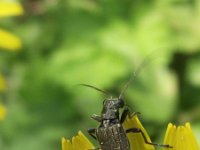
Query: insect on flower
{"type": "Point", "coordinates": [110, 134]}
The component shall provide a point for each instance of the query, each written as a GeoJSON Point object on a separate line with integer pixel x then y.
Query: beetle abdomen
{"type": "Point", "coordinates": [112, 138]}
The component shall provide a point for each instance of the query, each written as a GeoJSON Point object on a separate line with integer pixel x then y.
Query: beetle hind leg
{"type": "Point", "coordinates": [137, 130]}
{"type": "Point", "coordinates": [94, 149]}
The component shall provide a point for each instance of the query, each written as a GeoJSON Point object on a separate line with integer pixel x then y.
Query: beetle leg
{"type": "Point", "coordinates": [92, 133]}
{"type": "Point", "coordinates": [126, 112]}
{"type": "Point", "coordinates": [135, 113]}
{"type": "Point", "coordinates": [137, 130]}
{"type": "Point", "coordinates": [96, 117]}
{"type": "Point", "coordinates": [94, 149]}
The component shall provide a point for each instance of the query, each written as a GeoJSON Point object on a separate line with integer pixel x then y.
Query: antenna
{"type": "Point", "coordinates": [95, 88]}
{"type": "Point", "coordinates": [134, 75]}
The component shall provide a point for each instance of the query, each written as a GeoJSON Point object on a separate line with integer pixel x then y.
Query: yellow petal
{"type": "Point", "coordinates": [136, 140]}
{"type": "Point", "coordinates": [79, 142]}
{"type": "Point", "coordinates": [170, 131]}
{"type": "Point", "coordinates": [66, 144]}
{"type": "Point", "coordinates": [2, 112]}
{"type": "Point", "coordinates": [85, 142]}
{"type": "Point", "coordinates": [181, 137]}
{"type": "Point", "coordinates": [9, 41]}
{"type": "Point", "coordinates": [2, 84]}
{"type": "Point", "coordinates": [10, 9]}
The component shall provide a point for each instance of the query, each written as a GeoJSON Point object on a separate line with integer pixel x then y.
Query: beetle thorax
{"type": "Point", "coordinates": [111, 109]}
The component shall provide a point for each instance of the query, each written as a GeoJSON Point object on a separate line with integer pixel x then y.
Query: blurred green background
{"type": "Point", "coordinates": [99, 42]}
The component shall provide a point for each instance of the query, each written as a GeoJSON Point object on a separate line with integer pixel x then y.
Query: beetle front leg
{"type": "Point", "coordinates": [137, 130]}
{"type": "Point", "coordinates": [92, 133]}
{"type": "Point", "coordinates": [126, 112]}
{"type": "Point", "coordinates": [96, 117]}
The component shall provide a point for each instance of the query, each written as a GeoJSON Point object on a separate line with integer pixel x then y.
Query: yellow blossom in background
{"type": "Point", "coordinates": [2, 84]}
{"type": "Point", "coordinates": [2, 112]}
{"type": "Point", "coordinates": [8, 8]}
{"type": "Point", "coordinates": [8, 40]}
{"type": "Point", "coordinates": [181, 137]}
{"type": "Point", "coordinates": [79, 142]}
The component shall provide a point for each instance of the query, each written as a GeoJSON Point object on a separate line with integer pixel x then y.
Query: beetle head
{"type": "Point", "coordinates": [111, 108]}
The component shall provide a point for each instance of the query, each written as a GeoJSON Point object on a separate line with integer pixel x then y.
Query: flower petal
{"type": "Point", "coordinates": [10, 9]}
{"type": "Point", "coordinates": [9, 41]}
{"type": "Point", "coordinates": [2, 84]}
{"type": "Point", "coordinates": [2, 112]}
{"type": "Point", "coordinates": [79, 142]}
{"type": "Point", "coordinates": [181, 137]}
{"type": "Point", "coordinates": [136, 140]}
{"type": "Point", "coordinates": [66, 144]}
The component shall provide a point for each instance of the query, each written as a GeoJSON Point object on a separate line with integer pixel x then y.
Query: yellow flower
{"type": "Point", "coordinates": [7, 40]}
{"type": "Point", "coordinates": [2, 84]}
{"type": "Point", "coordinates": [79, 142]}
{"type": "Point", "coordinates": [136, 140]}
{"type": "Point", "coordinates": [181, 137]}
{"type": "Point", "coordinates": [8, 8]}
{"type": "Point", "coordinates": [2, 112]}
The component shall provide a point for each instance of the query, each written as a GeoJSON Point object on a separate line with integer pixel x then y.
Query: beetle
{"type": "Point", "coordinates": [110, 134]}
